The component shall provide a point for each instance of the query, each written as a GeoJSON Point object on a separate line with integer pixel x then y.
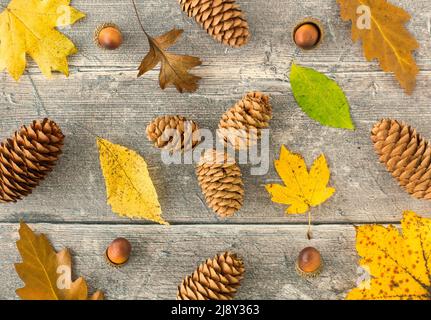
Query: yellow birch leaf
{"type": "Point", "coordinates": [28, 27]}
{"type": "Point", "coordinates": [47, 275]}
{"type": "Point", "coordinates": [381, 28]}
{"type": "Point", "coordinates": [129, 188]}
{"type": "Point", "coordinates": [399, 264]}
{"type": "Point", "coordinates": [302, 188]}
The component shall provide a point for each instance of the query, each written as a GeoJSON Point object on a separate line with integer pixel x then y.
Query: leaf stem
{"type": "Point", "coordinates": [139, 18]}
{"type": "Point", "coordinates": [309, 233]}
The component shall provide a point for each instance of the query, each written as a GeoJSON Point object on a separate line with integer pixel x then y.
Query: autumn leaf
{"type": "Point", "coordinates": [320, 97]}
{"type": "Point", "coordinates": [381, 28]}
{"type": "Point", "coordinates": [174, 68]}
{"type": "Point", "coordinates": [28, 27]}
{"type": "Point", "coordinates": [399, 263]}
{"type": "Point", "coordinates": [302, 189]}
{"type": "Point", "coordinates": [129, 188]}
{"type": "Point", "coordinates": [47, 275]}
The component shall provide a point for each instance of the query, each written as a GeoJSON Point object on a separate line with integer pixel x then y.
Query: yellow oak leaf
{"type": "Point", "coordinates": [28, 27]}
{"type": "Point", "coordinates": [302, 189]}
{"type": "Point", "coordinates": [380, 26]}
{"type": "Point", "coordinates": [399, 265]}
{"type": "Point", "coordinates": [129, 188]}
{"type": "Point", "coordinates": [47, 275]}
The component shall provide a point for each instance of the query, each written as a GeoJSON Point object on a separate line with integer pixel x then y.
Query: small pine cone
{"type": "Point", "coordinates": [241, 125]}
{"type": "Point", "coordinates": [215, 279]}
{"type": "Point", "coordinates": [220, 180]}
{"type": "Point", "coordinates": [406, 154]}
{"type": "Point", "coordinates": [222, 19]}
{"type": "Point", "coordinates": [173, 133]}
{"type": "Point", "coordinates": [27, 157]}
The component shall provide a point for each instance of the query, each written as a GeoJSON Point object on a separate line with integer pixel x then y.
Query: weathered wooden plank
{"type": "Point", "coordinates": [162, 256]}
{"type": "Point", "coordinates": [116, 106]}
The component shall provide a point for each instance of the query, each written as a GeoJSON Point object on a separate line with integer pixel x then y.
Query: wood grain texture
{"type": "Point", "coordinates": [162, 256]}
{"type": "Point", "coordinates": [103, 97]}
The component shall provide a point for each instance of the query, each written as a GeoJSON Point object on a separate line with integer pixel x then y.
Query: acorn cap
{"type": "Point", "coordinates": [100, 28]}
{"type": "Point", "coordinates": [308, 274]}
{"type": "Point", "coordinates": [318, 25]}
{"type": "Point", "coordinates": [112, 264]}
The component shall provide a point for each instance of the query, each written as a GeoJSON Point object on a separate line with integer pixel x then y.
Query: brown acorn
{"type": "Point", "coordinates": [309, 262]}
{"type": "Point", "coordinates": [308, 34]}
{"type": "Point", "coordinates": [108, 36]}
{"type": "Point", "coordinates": [118, 252]}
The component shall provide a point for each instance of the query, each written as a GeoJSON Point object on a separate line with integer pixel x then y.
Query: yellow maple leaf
{"type": "Point", "coordinates": [28, 27]}
{"type": "Point", "coordinates": [47, 275]}
{"type": "Point", "coordinates": [380, 26]}
{"type": "Point", "coordinates": [302, 189]}
{"type": "Point", "coordinates": [129, 188]}
{"type": "Point", "coordinates": [399, 264]}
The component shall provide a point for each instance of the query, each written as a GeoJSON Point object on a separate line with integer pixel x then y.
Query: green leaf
{"type": "Point", "coordinates": [320, 98]}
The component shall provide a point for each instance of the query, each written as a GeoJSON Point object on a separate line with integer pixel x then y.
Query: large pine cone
{"type": "Point", "coordinates": [173, 133]}
{"type": "Point", "coordinates": [220, 180]}
{"type": "Point", "coordinates": [27, 157]}
{"type": "Point", "coordinates": [406, 154]}
{"type": "Point", "coordinates": [222, 19]}
{"type": "Point", "coordinates": [242, 125]}
{"type": "Point", "coordinates": [215, 279]}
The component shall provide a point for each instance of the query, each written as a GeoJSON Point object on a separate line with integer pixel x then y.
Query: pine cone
{"type": "Point", "coordinates": [242, 124]}
{"type": "Point", "coordinates": [406, 154]}
{"type": "Point", "coordinates": [220, 180]}
{"type": "Point", "coordinates": [222, 19]}
{"type": "Point", "coordinates": [173, 133]}
{"type": "Point", "coordinates": [27, 157]}
{"type": "Point", "coordinates": [215, 279]}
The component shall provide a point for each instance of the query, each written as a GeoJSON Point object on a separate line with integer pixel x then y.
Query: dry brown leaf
{"type": "Point", "coordinates": [47, 275]}
{"type": "Point", "coordinates": [174, 68]}
{"type": "Point", "coordinates": [380, 26]}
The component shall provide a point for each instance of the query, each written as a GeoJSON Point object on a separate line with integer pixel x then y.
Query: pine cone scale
{"type": "Point", "coordinates": [215, 279]}
{"type": "Point", "coordinates": [406, 154]}
{"type": "Point", "coordinates": [26, 158]}
{"type": "Point", "coordinates": [222, 19]}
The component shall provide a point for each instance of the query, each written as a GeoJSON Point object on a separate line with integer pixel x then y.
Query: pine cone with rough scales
{"type": "Point", "coordinates": [220, 180]}
{"type": "Point", "coordinates": [173, 133]}
{"type": "Point", "coordinates": [215, 279]}
{"type": "Point", "coordinates": [222, 19]}
{"type": "Point", "coordinates": [406, 154]}
{"type": "Point", "coordinates": [241, 126]}
{"type": "Point", "coordinates": [27, 157]}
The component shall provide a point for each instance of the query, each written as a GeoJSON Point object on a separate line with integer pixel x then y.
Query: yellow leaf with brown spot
{"type": "Point", "coordinates": [302, 189]}
{"type": "Point", "coordinates": [381, 28]}
{"type": "Point", "coordinates": [399, 264]}
{"type": "Point", "coordinates": [129, 188]}
{"type": "Point", "coordinates": [47, 275]}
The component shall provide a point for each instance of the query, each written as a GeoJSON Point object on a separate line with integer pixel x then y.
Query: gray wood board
{"type": "Point", "coordinates": [162, 256]}
{"type": "Point", "coordinates": [103, 97]}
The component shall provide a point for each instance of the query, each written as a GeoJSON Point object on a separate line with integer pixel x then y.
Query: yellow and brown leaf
{"type": "Point", "coordinates": [174, 68]}
{"type": "Point", "coordinates": [47, 275]}
{"type": "Point", "coordinates": [385, 38]}
{"type": "Point", "coordinates": [27, 27]}
{"type": "Point", "coordinates": [399, 263]}
{"type": "Point", "coordinates": [302, 189]}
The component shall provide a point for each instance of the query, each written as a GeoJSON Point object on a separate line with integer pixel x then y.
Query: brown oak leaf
{"type": "Point", "coordinates": [381, 27]}
{"type": "Point", "coordinates": [47, 275]}
{"type": "Point", "coordinates": [174, 68]}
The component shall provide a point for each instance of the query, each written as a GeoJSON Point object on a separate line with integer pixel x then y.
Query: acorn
{"type": "Point", "coordinates": [118, 252]}
{"type": "Point", "coordinates": [108, 36]}
{"type": "Point", "coordinates": [308, 34]}
{"type": "Point", "coordinates": [309, 262]}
